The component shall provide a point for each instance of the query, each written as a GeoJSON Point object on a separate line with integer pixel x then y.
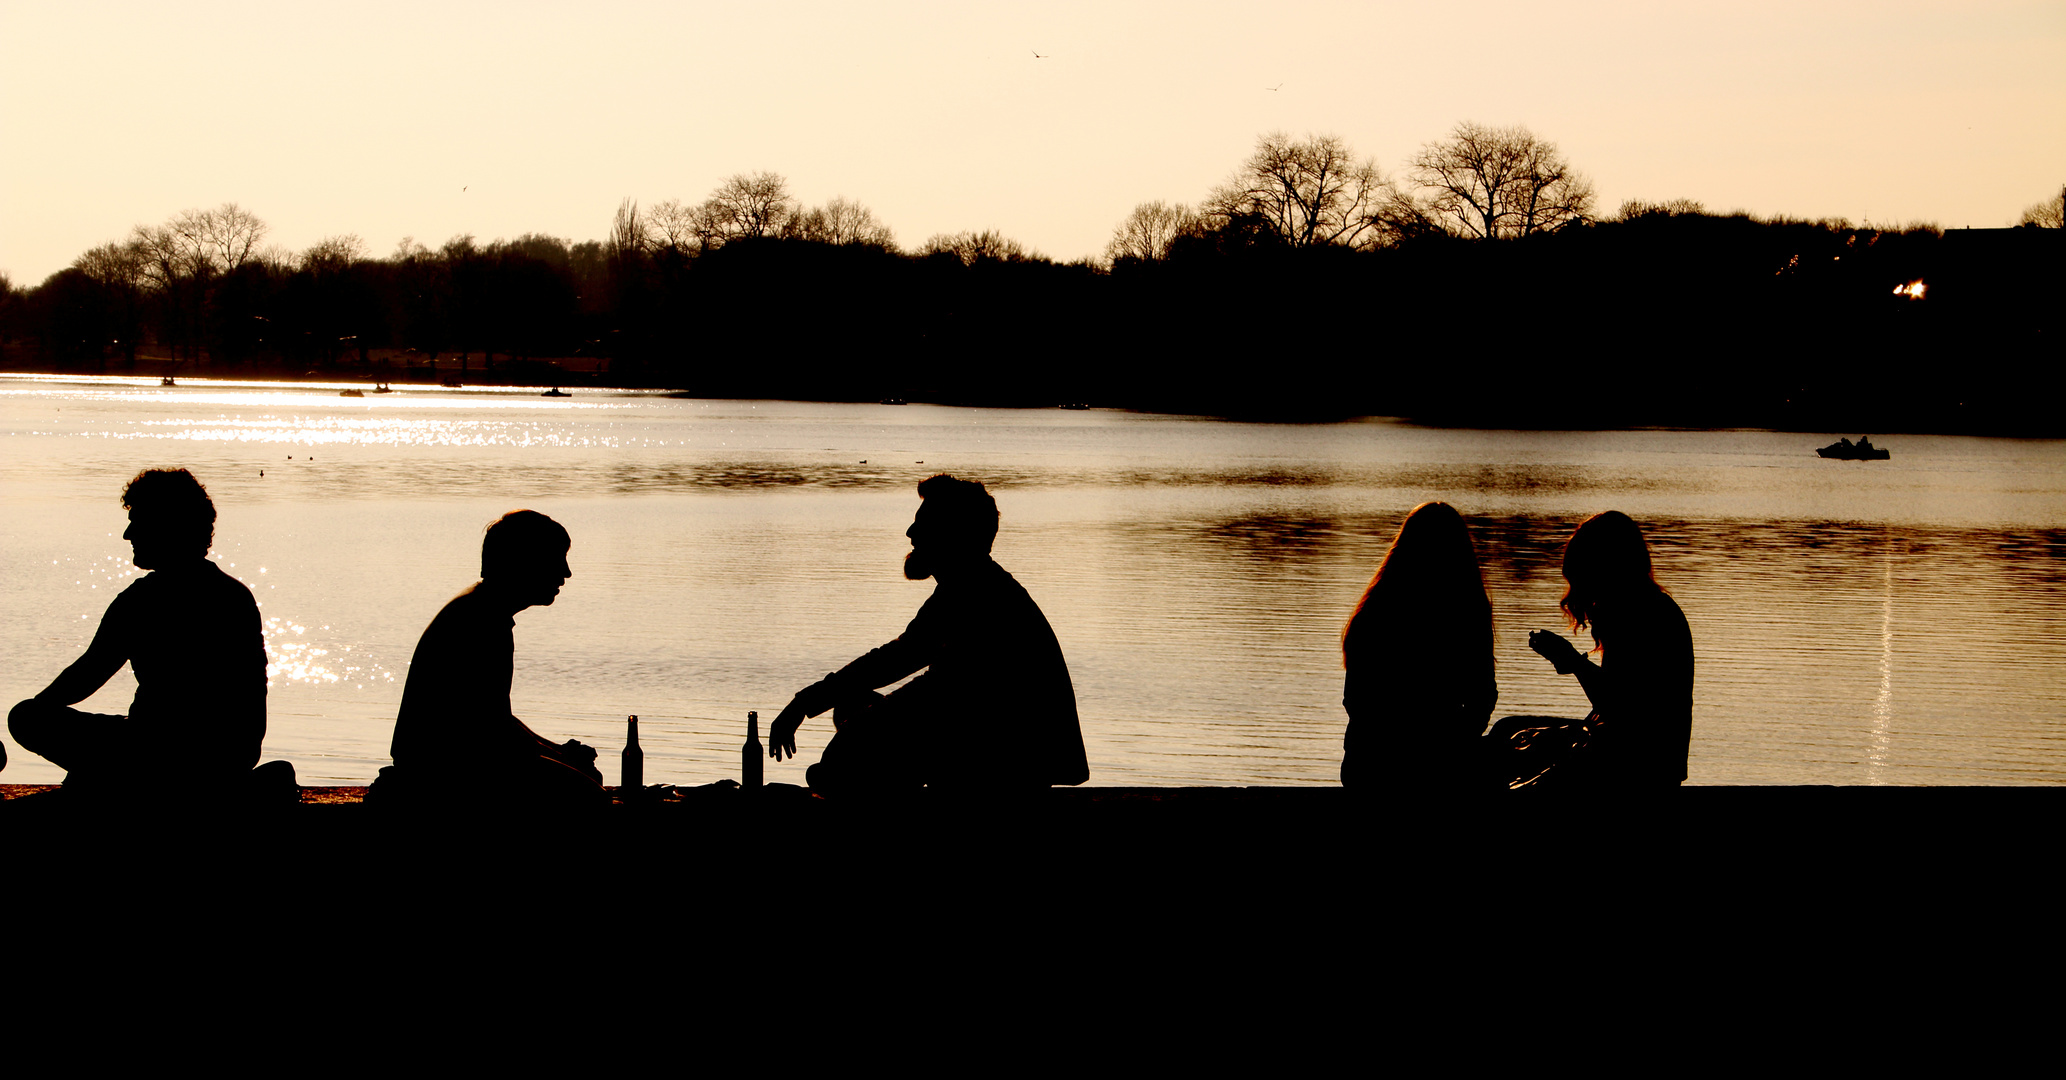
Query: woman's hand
{"type": "Point", "coordinates": [1561, 654]}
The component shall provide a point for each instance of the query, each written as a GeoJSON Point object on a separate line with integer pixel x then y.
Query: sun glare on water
{"type": "Point", "coordinates": [290, 659]}
{"type": "Point", "coordinates": [367, 431]}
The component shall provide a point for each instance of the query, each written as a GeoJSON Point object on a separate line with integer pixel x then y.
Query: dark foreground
{"type": "Point", "coordinates": [1203, 910]}
{"type": "Point", "coordinates": [1307, 833]}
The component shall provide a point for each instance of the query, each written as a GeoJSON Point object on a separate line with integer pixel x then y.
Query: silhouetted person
{"type": "Point", "coordinates": [1418, 650]}
{"type": "Point", "coordinates": [190, 633]}
{"type": "Point", "coordinates": [1642, 689]}
{"type": "Point", "coordinates": [994, 710]}
{"type": "Point", "coordinates": [455, 733]}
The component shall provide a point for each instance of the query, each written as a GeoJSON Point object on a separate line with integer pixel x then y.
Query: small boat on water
{"type": "Point", "coordinates": [167, 381]}
{"type": "Point", "coordinates": [353, 392]}
{"type": "Point", "coordinates": [383, 388]}
{"type": "Point", "coordinates": [1862, 450]}
{"type": "Point", "coordinates": [555, 392]}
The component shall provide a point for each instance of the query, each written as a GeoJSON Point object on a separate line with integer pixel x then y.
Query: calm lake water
{"type": "Point", "coordinates": [1898, 622]}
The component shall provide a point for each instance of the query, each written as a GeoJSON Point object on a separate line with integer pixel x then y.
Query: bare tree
{"type": "Point", "coordinates": [1498, 183]}
{"type": "Point", "coordinates": [333, 253]}
{"type": "Point", "coordinates": [841, 221]}
{"type": "Point", "coordinates": [200, 244]}
{"type": "Point", "coordinates": [163, 257]}
{"type": "Point", "coordinates": [184, 258]}
{"type": "Point", "coordinates": [1312, 193]}
{"type": "Point", "coordinates": [673, 226]}
{"type": "Point", "coordinates": [118, 265]}
{"type": "Point", "coordinates": [746, 206]}
{"type": "Point", "coordinates": [1147, 232]}
{"type": "Point", "coordinates": [2050, 214]}
{"type": "Point", "coordinates": [974, 247]}
{"type": "Point", "coordinates": [225, 238]}
{"type": "Point", "coordinates": [119, 269]}
{"type": "Point", "coordinates": [282, 260]}
{"type": "Point", "coordinates": [409, 251]}
{"type": "Point", "coordinates": [1632, 209]}
{"type": "Point", "coordinates": [630, 235]}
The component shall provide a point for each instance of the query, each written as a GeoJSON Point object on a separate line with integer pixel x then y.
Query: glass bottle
{"type": "Point", "coordinates": [631, 776]}
{"type": "Point", "coordinates": [750, 756]}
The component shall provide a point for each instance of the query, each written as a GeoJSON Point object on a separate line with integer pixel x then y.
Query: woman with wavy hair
{"type": "Point", "coordinates": [1418, 651]}
{"type": "Point", "coordinates": [1642, 688]}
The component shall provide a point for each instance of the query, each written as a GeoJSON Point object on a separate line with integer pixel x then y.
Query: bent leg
{"type": "Point", "coordinates": [548, 783]}
{"type": "Point", "coordinates": [874, 753]}
{"type": "Point", "coordinates": [74, 741]}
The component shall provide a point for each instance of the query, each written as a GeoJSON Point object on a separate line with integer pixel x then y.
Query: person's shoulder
{"type": "Point", "coordinates": [470, 606]}
{"type": "Point", "coordinates": [997, 582]}
{"type": "Point", "coordinates": [136, 598]}
{"type": "Point", "coordinates": [143, 587]}
{"type": "Point", "coordinates": [997, 576]}
{"type": "Point", "coordinates": [204, 577]}
{"type": "Point", "coordinates": [218, 578]}
{"type": "Point", "coordinates": [461, 603]}
{"type": "Point", "coordinates": [1663, 614]}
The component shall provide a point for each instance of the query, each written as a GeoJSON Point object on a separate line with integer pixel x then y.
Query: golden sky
{"type": "Point", "coordinates": [432, 118]}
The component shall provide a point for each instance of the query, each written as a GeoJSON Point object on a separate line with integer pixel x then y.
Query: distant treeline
{"type": "Point", "coordinates": [1279, 297]}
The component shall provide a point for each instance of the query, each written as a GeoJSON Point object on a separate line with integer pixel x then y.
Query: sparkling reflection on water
{"type": "Point", "coordinates": [1897, 622]}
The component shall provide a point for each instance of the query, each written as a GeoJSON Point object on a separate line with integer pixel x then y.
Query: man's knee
{"type": "Point", "coordinates": [30, 722]}
{"type": "Point", "coordinates": [549, 783]}
{"type": "Point", "coordinates": [71, 739]}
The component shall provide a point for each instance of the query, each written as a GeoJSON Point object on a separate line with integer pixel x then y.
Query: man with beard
{"type": "Point", "coordinates": [994, 710]}
{"type": "Point", "coordinates": [191, 635]}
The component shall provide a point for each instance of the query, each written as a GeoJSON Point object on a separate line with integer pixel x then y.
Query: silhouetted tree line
{"type": "Point", "coordinates": [199, 292]}
{"type": "Point", "coordinates": [1485, 290]}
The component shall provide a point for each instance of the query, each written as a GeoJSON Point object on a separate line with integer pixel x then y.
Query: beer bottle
{"type": "Point", "coordinates": [631, 777]}
{"type": "Point", "coordinates": [749, 772]}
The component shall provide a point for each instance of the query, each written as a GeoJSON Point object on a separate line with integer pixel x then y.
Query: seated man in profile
{"type": "Point", "coordinates": [994, 710]}
{"type": "Point", "coordinates": [455, 730]}
{"type": "Point", "coordinates": [190, 633]}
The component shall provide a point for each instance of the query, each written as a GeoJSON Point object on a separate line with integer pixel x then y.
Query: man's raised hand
{"type": "Point", "coordinates": [782, 733]}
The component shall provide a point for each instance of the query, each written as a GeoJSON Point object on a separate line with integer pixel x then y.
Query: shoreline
{"type": "Point", "coordinates": [1316, 797]}
{"type": "Point", "coordinates": [554, 374]}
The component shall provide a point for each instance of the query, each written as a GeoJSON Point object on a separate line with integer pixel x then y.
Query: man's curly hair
{"type": "Point", "coordinates": [174, 497]}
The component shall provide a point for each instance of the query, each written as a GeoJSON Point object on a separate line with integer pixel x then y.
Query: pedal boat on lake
{"type": "Point", "coordinates": [1862, 450]}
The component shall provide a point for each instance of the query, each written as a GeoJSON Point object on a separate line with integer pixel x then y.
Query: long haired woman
{"type": "Point", "coordinates": [1642, 688]}
{"type": "Point", "coordinates": [1418, 651]}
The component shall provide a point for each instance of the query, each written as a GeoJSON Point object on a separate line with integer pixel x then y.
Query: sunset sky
{"type": "Point", "coordinates": [431, 118]}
